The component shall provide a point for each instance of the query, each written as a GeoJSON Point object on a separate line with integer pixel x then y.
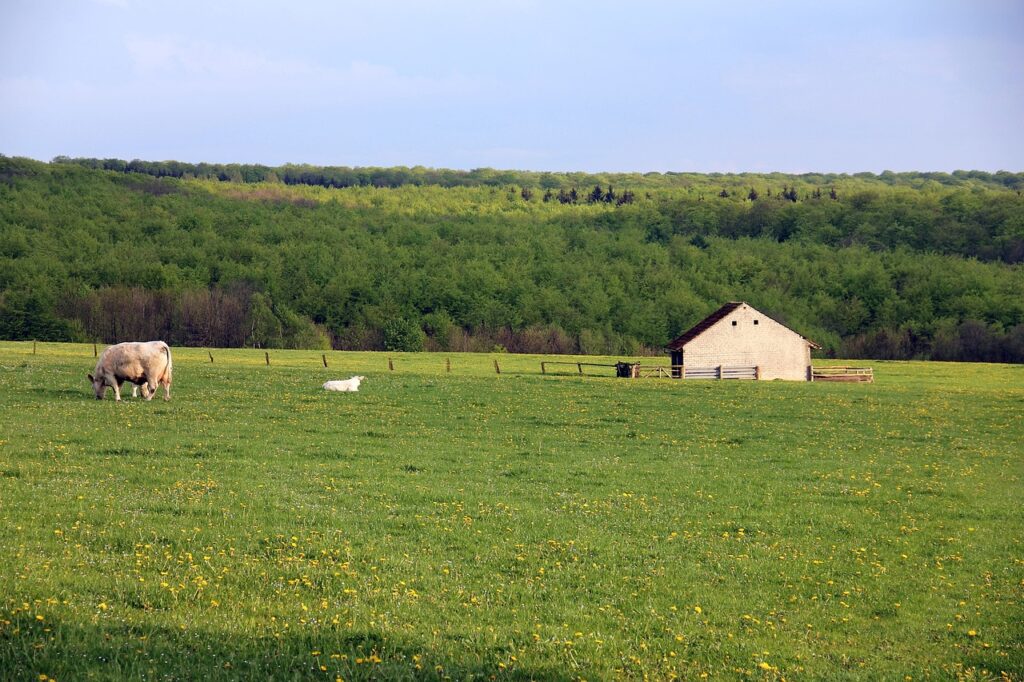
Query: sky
{"type": "Point", "coordinates": [683, 85]}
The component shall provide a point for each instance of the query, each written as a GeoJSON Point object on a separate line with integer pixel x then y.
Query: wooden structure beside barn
{"type": "Point", "coordinates": [847, 374]}
{"type": "Point", "coordinates": [739, 336]}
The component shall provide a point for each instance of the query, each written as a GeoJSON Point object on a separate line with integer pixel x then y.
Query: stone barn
{"type": "Point", "coordinates": [738, 341]}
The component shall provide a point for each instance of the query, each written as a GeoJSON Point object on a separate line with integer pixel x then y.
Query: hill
{"type": "Point", "coordinates": [924, 265]}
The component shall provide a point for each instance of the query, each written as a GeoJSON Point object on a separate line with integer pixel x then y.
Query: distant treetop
{"type": "Point", "coordinates": [398, 176]}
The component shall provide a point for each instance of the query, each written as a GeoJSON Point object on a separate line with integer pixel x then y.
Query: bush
{"type": "Point", "coordinates": [403, 335]}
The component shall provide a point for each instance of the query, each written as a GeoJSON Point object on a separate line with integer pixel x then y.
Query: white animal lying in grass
{"type": "Point", "coordinates": [346, 386]}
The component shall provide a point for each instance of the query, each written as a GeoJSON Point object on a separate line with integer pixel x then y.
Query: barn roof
{"type": "Point", "coordinates": [702, 326]}
{"type": "Point", "coordinates": [699, 328]}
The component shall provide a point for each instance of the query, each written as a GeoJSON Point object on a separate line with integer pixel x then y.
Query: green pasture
{"type": "Point", "coordinates": [470, 525]}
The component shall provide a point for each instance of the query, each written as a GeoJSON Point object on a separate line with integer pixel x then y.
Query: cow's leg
{"type": "Point", "coordinates": [167, 390]}
{"type": "Point", "coordinates": [150, 389]}
{"type": "Point", "coordinates": [117, 391]}
{"type": "Point", "coordinates": [145, 390]}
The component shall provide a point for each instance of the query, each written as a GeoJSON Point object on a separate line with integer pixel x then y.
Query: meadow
{"type": "Point", "coordinates": [470, 525]}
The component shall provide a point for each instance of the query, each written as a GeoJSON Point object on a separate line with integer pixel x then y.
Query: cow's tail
{"type": "Point", "coordinates": [167, 371]}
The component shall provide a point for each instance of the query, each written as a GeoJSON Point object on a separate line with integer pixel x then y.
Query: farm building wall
{"type": "Point", "coordinates": [746, 337]}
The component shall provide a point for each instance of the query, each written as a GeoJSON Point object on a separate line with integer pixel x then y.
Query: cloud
{"type": "Point", "coordinates": [878, 81]}
{"type": "Point", "coordinates": [197, 66]}
{"type": "Point", "coordinates": [31, 94]}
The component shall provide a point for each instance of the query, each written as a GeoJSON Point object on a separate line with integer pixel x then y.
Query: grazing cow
{"type": "Point", "coordinates": [144, 364]}
{"type": "Point", "coordinates": [346, 386]}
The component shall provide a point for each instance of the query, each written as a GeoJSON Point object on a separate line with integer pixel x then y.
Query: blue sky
{"type": "Point", "coordinates": [707, 86]}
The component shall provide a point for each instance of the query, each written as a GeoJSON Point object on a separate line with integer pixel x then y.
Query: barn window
{"type": "Point", "coordinates": [734, 323]}
{"type": "Point", "coordinates": [755, 321]}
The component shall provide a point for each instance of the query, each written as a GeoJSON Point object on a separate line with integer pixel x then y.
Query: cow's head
{"type": "Point", "coordinates": [99, 387]}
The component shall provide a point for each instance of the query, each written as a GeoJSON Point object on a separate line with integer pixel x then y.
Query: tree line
{"type": "Point", "coordinates": [338, 177]}
{"type": "Point", "coordinates": [876, 271]}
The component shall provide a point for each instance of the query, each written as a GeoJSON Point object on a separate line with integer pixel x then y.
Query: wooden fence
{"type": "Point", "coordinates": [634, 370]}
{"type": "Point", "coordinates": [865, 374]}
{"type": "Point", "coordinates": [639, 371]}
{"type": "Point", "coordinates": [651, 372]}
{"type": "Point", "coordinates": [719, 372]}
{"type": "Point", "coordinates": [578, 365]}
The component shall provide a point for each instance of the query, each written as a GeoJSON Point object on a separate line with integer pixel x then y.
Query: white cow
{"type": "Point", "coordinates": [346, 386]}
{"type": "Point", "coordinates": [144, 364]}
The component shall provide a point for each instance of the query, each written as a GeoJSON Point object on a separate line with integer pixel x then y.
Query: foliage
{"type": "Point", "coordinates": [895, 265]}
{"type": "Point", "coordinates": [26, 315]}
{"type": "Point", "coordinates": [344, 176]}
{"type": "Point", "coordinates": [403, 335]}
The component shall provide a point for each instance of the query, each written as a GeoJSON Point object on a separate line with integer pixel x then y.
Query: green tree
{"type": "Point", "coordinates": [264, 328]}
{"type": "Point", "coordinates": [403, 335]}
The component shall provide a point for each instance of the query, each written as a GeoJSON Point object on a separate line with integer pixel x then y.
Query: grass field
{"type": "Point", "coordinates": [467, 525]}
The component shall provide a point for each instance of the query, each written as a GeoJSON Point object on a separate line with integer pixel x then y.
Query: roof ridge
{"type": "Point", "coordinates": [702, 326]}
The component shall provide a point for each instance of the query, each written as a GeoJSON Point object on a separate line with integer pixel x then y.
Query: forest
{"type": "Point", "coordinates": [887, 266]}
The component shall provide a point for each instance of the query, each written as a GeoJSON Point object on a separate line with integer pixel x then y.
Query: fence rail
{"type": "Point", "coordinates": [578, 365]}
{"type": "Point", "coordinates": [683, 372]}
{"type": "Point", "coordinates": [865, 374]}
{"type": "Point", "coordinates": [652, 372]}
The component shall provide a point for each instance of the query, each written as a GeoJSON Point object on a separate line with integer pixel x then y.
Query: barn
{"type": "Point", "coordinates": [738, 341]}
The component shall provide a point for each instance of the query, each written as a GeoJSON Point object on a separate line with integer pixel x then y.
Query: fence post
{"type": "Point", "coordinates": [542, 369]}
{"type": "Point", "coordinates": [757, 372]}
{"type": "Point", "coordinates": [211, 356]}
{"type": "Point", "coordinates": [324, 356]}
{"type": "Point", "coordinates": [33, 347]}
{"type": "Point", "coordinates": [266, 354]}
{"type": "Point", "coordinates": [448, 365]}
{"type": "Point", "coordinates": [497, 369]}
{"type": "Point", "coordinates": [391, 365]}
{"type": "Point", "coordinates": [719, 371]}
{"type": "Point", "coordinates": [94, 349]}
{"type": "Point", "coordinates": [579, 366]}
